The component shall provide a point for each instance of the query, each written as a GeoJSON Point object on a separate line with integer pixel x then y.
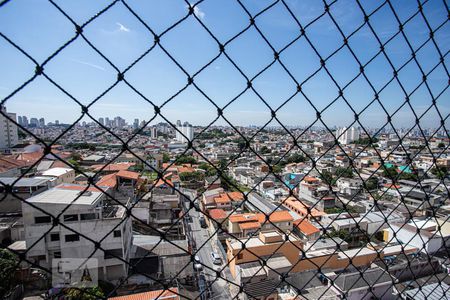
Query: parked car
{"type": "Point", "coordinates": [217, 260]}
{"type": "Point", "coordinates": [197, 264]}
{"type": "Point", "coordinates": [203, 222]}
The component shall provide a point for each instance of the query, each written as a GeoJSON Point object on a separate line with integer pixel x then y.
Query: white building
{"type": "Point", "coordinates": [8, 130]}
{"type": "Point", "coordinates": [184, 132]}
{"type": "Point", "coordinates": [86, 219]}
{"type": "Point", "coordinates": [422, 234]}
{"type": "Point", "coordinates": [347, 135]}
{"type": "Point", "coordinates": [59, 175]}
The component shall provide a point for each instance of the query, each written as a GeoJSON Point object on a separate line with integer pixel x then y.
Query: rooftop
{"type": "Point", "coordinates": [56, 172]}
{"type": "Point", "coordinates": [170, 294]}
{"type": "Point", "coordinates": [24, 182]}
{"type": "Point", "coordinates": [67, 194]}
{"type": "Point", "coordinates": [433, 291]}
{"type": "Point", "coordinates": [257, 242]}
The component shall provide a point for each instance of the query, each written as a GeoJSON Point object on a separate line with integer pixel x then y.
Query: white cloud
{"type": "Point", "coordinates": [197, 12]}
{"type": "Point", "coordinates": [122, 27]}
{"type": "Point", "coordinates": [88, 64]}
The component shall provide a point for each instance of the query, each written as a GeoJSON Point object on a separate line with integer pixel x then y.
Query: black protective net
{"type": "Point", "coordinates": [270, 248]}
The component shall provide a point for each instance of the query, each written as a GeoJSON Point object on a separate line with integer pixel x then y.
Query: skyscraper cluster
{"type": "Point", "coordinates": [34, 122]}
{"type": "Point", "coordinates": [117, 122]}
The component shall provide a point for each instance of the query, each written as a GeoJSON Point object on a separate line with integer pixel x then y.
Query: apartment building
{"type": "Point", "coordinates": [8, 130]}
{"type": "Point", "coordinates": [314, 192]}
{"type": "Point", "coordinates": [86, 217]}
{"type": "Point", "coordinates": [164, 211]}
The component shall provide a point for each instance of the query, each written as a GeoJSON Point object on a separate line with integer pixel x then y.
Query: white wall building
{"type": "Point", "coordinates": [8, 130]}
{"type": "Point", "coordinates": [86, 215]}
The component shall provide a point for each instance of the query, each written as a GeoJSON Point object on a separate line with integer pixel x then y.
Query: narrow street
{"type": "Point", "coordinates": [220, 288]}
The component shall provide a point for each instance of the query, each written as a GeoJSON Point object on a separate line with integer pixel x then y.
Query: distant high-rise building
{"type": "Point", "coordinates": [8, 130]}
{"type": "Point", "coordinates": [34, 122]}
{"type": "Point", "coordinates": [184, 132]}
{"type": "Point", "coordinates": [107, 122]}
{"type": "Point", "coordinates": [136, 124]}
{"type": "Point", "coordinates": [347, 135]}
{"type": "Point", "coordinates": [118, 122]}
{"type": "Point", "coordinates": [154, 133]}
{"type": "Point", "coordinates": [56, 122]}
{"type": "Point", "coordinates": [24, 121]}
{"type": "Point", "coordinates": [101, 121]}
{"type": "Point", "coordinates": [19, 120]}
{"type": "Point", "coordinates": [41, 122]}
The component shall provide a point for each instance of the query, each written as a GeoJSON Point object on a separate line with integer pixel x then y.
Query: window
{"type": "Point", "coordinates": [117, 233]}
{"type": "Point", "coordinates": [89, 216]}
{"type": "Point", "coordinates": [54, 237]}
{"type": "Point", "coordinates": [57, 254]}
{"type": "Point", "coordinates": [72, 238]}
{"type": "Point", "coordinates": [70, 218]}
{"type": "Point", "coordinates": [42, 220]}
{"type": "Point", "coordinates": [113, 253]}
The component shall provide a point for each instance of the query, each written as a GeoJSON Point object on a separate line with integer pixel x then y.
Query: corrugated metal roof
{"type": "Point", "coordinates": [434, 291]}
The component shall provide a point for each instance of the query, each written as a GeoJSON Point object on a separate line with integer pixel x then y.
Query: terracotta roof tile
{"type": "Point", "coordinates": [75, 187]}
{"type": "Point", "coordinates": [170, 294]}
{"type": "Point", "coordinates": [128, 174]}
{"type": "Point", "coordinates": [249, 225]}
{"type": "Point", "coordinates": [306, 227]}
{"type": "Point", "coordinates": [113, 167]}
{"type": "Point", "coordinates": [109, 180]}
{"type": "Point", "coordinates": [217, 214]}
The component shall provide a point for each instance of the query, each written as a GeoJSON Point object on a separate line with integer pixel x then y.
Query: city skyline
{"type": "Point", "coordinates": [122, 39]}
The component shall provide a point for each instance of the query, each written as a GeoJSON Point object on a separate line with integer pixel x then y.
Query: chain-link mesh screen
{"type": "Point", "coordinates": [295, 208]}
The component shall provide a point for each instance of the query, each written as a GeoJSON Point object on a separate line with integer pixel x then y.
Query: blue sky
{"type": "Point", "coordinates": [39, 28]}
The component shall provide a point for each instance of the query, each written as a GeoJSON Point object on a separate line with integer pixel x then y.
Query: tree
{"type": "Point", "coordinates": [327, 177]}
{"type": "Point", "coordinates": [166, 157]}
{"type": "Point", "coordinates": [277, 169]}
{"type": "Point", "coordinates": [22, 134]}
{"type": "Point", "coordinates": [91, 293]}
{"type": "Point", "coordinates": [342, 234]}
{"type": "Point", "coordinates": [8, 265]}
{"type": "Point", "coordinates": [265, 150]}
{"type": "Point", "coordinates": [344, 172]}
{"type": "Point", "coordinates": [441, 145]}
{"type": "Point", "coordinates": [209, 170]}
{"type": "Point", "coordinates": [372, 183]}
{"type": "Point", "coordinates": [185, 159]}
{"type": "Point", "coordinates": [390, 172]}
{"type": "Point", "coordinates": [440, 172]}
{"type": "Point", "coordinates": [192, 176]}
{"type": "Point", "coordinates": [295, 158]}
